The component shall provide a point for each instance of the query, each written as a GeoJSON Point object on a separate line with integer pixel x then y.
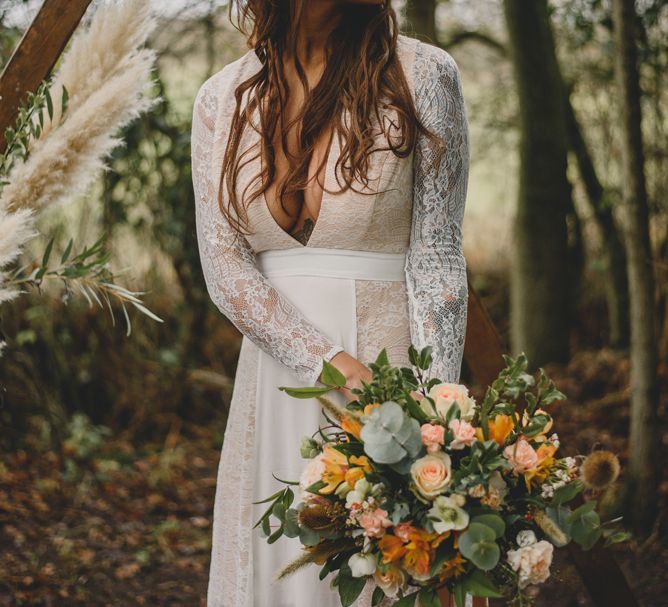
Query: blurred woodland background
{"type": "Point", "coordinates": [109, 443]}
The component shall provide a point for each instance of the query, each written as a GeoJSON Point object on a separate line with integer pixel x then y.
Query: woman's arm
{"type": "Point", "coordinates": [233, 281]}
{"type": "Point", "coordinates": [435, 264]}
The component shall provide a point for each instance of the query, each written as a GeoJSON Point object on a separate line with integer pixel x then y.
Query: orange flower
{"type": "Point", "coordinates": [392, 547]}
{"type": "Point", "coordinates": [542, 435]}
{"type": "Point", "coordinates": [499, 429]}
{"type": "Point", "coordinates": [421, 550]}
{"type": "Point", "coordinates": [452, 568]}
{"type": "Point", "coordinates": [351, 425]}
{"type": "Point", "coordinates": [369, 408]}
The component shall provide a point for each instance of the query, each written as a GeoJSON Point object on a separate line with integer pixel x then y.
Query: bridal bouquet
{"type": "Point", "coordinates": [419, 487]}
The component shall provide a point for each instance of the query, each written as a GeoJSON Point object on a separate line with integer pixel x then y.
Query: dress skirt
{"type": "Point", "coordinates": [265, 425]}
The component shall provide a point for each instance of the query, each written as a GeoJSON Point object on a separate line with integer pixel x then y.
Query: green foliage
{"type": "Point", "coordinates": [349, 587]}
{"type": "Point", "coordinates": [390, 436]}
{"type": "Point", "coordinates": [28, 126]}
{"type": "Point", "coordinates": [478, 544]}
{"type": "Point", "coordinates": [87, 273]}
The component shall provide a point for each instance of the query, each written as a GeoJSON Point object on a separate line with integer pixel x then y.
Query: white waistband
{"type": "Point", "coordinates": [335, 263]}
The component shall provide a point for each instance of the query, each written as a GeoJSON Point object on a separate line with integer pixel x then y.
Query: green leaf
{"type": "Point", "coordinates": [478, 546]}
{"type": "Point", "coordinates": [415, 410]}
{"type": "Point", "coordinates": [382, 359]}
{"type": "Point", "coordinates": [279, 511]}
{"type": "Point", "coordinates": [275, 535]}
{"type": "Point", "coordinates": [377, 597]}
{"type": "Point", "coordinates": [429, 598]}
{"type": "Point", "coordinates": [407, 601]}
{"type": "Point", "coordinates": [459, 594]}
{"type": "Point", "coordinates": [47, 253]}
{"type": "Point", "coordinates": [478, 584]}
{"type": "Point", "coordinates": [349, 587]}
{"type": "Point", "coordinates": [618, 537]}
{"type": "Point", "coordinates": [566, 493]}
{"type": "Point", "coordinates": [67, 251]}
{"type": "Point", "coordinates": [271, 498]}
{"type": "Point", "coordinates": [331, 376]}
{"type": "Point", "coordinates": [306, 392]}
{"type": "Point", "coordinates": [64, 100]}
{"type": "Point", "coordinates": [266, 527]}
{"type": "Point", "coordinates": [493, 521]}
{"type": "Point", "coordinates": [582, 510]}
{"type": "Point", "coordinates": [49, 103]}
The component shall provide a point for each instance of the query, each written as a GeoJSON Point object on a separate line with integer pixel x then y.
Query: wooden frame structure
{"type": "Point", "coordinates": [32, 61]}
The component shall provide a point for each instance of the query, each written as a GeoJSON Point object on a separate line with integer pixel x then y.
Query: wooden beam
{"type": "Point", "coordinates": [36, 54]}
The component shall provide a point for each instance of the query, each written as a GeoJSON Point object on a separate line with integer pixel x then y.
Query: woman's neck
{"type": "Point", "coordinates": [318, 20]}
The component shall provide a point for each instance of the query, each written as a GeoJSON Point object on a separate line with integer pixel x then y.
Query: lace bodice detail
{"type": "Point", "coordinates": [423, 220]}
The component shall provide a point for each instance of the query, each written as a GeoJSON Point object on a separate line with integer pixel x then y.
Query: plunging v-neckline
{"type": "Point", "coordinates": [331, 151]}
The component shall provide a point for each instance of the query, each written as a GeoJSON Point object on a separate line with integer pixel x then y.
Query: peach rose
{"type": "Point", "coordinates": [311, 474]}
{"type": "Point", "coordinates": [431, 474]}
{"type": "Point", "coordinates": [463, 432]}
{"type": "Point", "coordinates": [392, 581]}
{"type": "Point", "coordinates": [374, 522]}
{"type": "Point", "coordinates": [433, 436]}
{"type": "Point", "coordinates": [522, 456]}
{"type": "Point", "coordinates": [532, 562]}
{"type": "Point", "coordinates": [447, 394]}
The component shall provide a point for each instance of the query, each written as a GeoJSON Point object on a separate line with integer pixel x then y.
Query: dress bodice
{"type": "Point", "coordinates": [409, 206]}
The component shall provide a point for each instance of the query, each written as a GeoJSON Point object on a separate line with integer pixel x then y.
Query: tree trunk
{"type": "Point", "coordinates": [541, 285]}
{"type": "Point", "coordinates": [644, 465]}
{"type": "Point", "coordinates": [421, 18]}
{"type": "Point", "coordinates": [614, 258]}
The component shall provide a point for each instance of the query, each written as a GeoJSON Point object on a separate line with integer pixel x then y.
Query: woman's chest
{"type": "Point", "coordinates": [373, 215]}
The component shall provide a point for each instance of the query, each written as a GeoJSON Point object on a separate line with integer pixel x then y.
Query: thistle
{"type": "Point", "coordinates": [599, 470]}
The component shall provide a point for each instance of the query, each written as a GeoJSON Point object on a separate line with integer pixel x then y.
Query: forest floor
{"type": "Point", "coordinates": [113, 523]}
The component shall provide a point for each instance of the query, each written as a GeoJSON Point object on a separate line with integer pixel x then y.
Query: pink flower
{"type": "Point", "coordinates": [374, 522]}
{"type": "Point", "coordinates": [433, 436]}
{"type": "Point", "coordinates": [402, 531]}
{"type": "Point", "coordinates": [464, 434]}
{"type": "Point", "coordinates": [522, 456]}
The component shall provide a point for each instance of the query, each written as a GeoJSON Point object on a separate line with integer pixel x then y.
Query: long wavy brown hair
{"type": "Point", "coordinates": [363, 72]}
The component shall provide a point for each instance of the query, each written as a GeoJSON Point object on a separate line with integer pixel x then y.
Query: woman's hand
{"type": "Point", "coordinates": [354, 371]}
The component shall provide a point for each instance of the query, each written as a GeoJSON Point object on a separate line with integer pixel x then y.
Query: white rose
{"type": "Point", "coordinates": [362, 565]}
{"type": "Point", "coordinates": [526, 537]}
{"type": "Point", "coordinates": [447, 394]}
{"type": "Point", "coordinates": [532, 562]}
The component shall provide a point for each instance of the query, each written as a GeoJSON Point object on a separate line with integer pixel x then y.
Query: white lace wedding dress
{"type": "Point", "coordinates": [379, 270]}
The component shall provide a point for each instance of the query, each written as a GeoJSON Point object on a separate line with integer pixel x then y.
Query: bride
{"type": "Point", "coordinates": [330, 167]}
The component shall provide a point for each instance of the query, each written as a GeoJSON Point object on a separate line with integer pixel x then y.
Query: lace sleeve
{"type": "Point", "coordinates": [233, 281]}
{"type": "Point", "coordinates": [435, 265]}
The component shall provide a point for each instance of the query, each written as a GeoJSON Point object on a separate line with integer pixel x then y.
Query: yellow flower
{"type": "Point", "coordinates": [338, 469]}
{"type": "Point", "coordinates": [546, 461]}
{"type": "Point", "coordinates": [542, 435]}
{"type": "Point", "coordinates": [369, 408]}
{"type": "Point", "coordinates": [336, 466]}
